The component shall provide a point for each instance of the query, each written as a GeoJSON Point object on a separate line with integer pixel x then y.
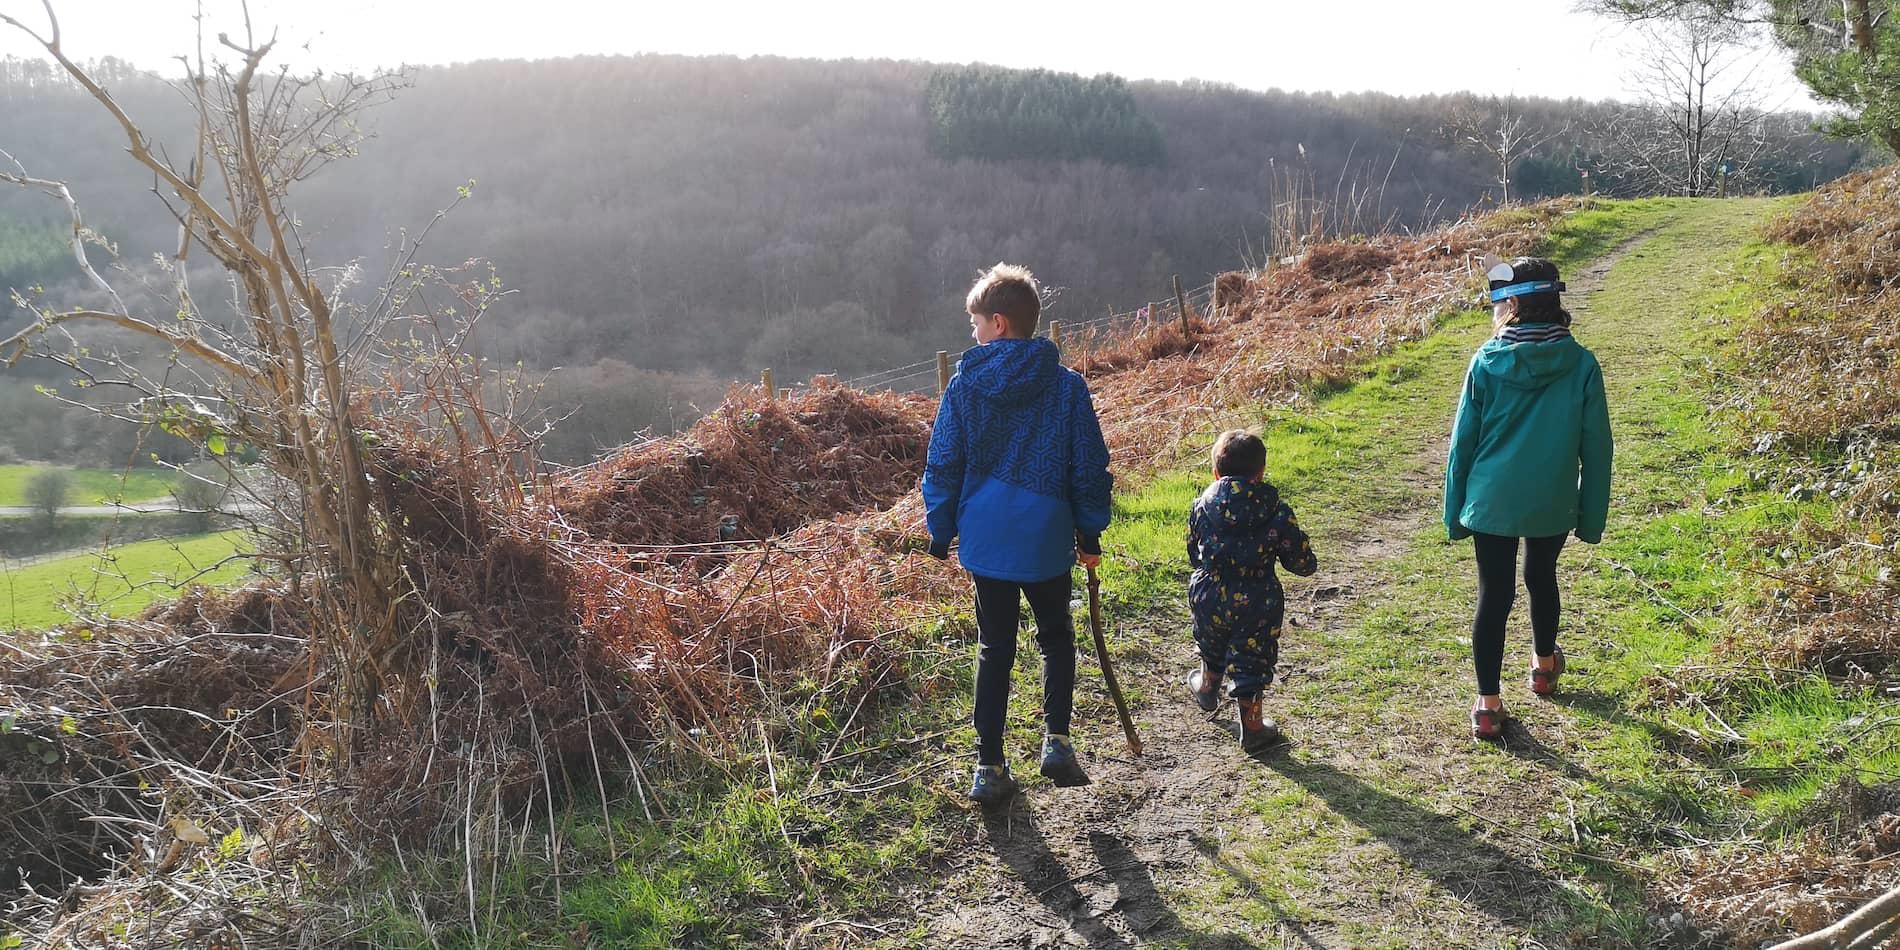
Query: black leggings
{"type": "Point", "coordinates": [1497, 588]}
{"type": "Point", "coordinates": [998, 611]}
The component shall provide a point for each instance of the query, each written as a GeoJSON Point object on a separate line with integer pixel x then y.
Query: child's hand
{"type": "Point", "coordinates": [1088, 549]}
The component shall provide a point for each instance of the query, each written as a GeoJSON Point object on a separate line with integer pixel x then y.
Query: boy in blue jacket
{"type": "Point", "coordinates": [1017, 468]}
{"type": "Point", "coordinates": [1237, 529]}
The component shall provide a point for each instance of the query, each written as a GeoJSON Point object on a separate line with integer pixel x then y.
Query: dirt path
{"type": "Point", "coordinates": [1192, 826]}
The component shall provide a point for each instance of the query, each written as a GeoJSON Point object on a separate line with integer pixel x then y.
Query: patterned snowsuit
{"type": "Point", "coordinates": [1237, 529]}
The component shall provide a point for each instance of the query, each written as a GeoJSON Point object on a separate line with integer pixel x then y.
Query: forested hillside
{"type": "Point", "coordinates": [672, 223]}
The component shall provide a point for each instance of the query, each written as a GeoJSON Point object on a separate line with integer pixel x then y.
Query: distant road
{"type": "Point", "coordinates": [155, 507]}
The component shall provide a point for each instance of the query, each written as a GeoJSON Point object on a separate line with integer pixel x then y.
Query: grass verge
{"type": "Point", "coordinates": [90, 486]}
{"type": "Point", "coordinates": [120, 581]}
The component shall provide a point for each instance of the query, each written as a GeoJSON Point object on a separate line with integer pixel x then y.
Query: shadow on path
{"type": "Point", "coordinates": [1491, 879]}
{"type": "Point", "coordinates": [1291, 926]}
{"type": "Point", "coordinates": [1117, 882]}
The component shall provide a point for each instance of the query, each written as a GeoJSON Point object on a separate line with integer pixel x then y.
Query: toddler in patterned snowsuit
{"type": "Point", "coordinates": [1237, 529]}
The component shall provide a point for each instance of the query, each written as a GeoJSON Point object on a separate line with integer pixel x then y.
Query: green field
{"type": "Point", "coordinates": [120, 581]}
{"type": "Point", "coordinates": [91, 486]}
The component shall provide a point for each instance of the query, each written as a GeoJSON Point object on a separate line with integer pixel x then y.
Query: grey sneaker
{"type": "Point", "coordinates": [1205, 694]}
{"type": "Point", "coordinates": [992, 785]}
{"type": "Point", "coordinates": [1059, 764]}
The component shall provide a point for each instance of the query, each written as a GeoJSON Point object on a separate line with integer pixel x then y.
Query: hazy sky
{"type": "Point", "coordinates": [1535, 47]}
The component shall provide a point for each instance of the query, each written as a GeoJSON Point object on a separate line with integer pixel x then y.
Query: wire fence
{"type": "Point", "coordinates": [927, 376]}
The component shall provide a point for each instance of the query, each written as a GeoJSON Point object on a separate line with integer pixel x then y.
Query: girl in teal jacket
{"type": "Point", "coordinates": [1530, 463]}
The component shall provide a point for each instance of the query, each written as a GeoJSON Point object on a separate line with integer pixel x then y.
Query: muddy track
{"type": "Point", "coordinates": [1088, 867]}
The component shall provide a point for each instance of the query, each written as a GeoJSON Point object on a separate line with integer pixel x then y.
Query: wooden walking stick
{"type": "Point", "coordinates": [1108, 670]}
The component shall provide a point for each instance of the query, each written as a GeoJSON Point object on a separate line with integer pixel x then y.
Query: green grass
{"type": "Point", "coordinates": [1589, 235]}
{"type": "Point", "coordinates": [90, 486]}
{"type": "Point", "coordinates": [1338, 461]}
{"type": "Point", "coordinates": [763, 825]}
{"type": "Point", "coordinates": [1645, 766]}
{"type": "Point", "coordinates": [119, 582]}
{"type": "Point", "coordinates": [1638, 774]}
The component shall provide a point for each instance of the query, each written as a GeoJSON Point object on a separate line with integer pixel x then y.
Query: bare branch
{"type": "Point", "coordinates": [1872, 917]}
{"type": "Point", "coordinates": [59, 190]}
{"type": "Point", "coordinates": [18, 342]}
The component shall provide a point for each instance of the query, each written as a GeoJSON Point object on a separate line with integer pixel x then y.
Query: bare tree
{"type": "Point", "coordinates": [1503, 138]}
{"type": "Point", "coordinates": [297, 375]}
{"type": "Point", "coordinates": [1841, 49]}
{"type": "Point", "coordinates": [1696, 117]}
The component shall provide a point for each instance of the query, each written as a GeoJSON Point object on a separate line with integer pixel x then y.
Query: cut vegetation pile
{"type": "Point", "coordinates": [755, 468]}
{"type": "Point", "coordinates": [655, 602]}
{"type": "Point", "coordinates": [1293, 329]}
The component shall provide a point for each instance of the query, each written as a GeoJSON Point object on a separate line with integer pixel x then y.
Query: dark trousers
{"type": "Point", "coordinates": [1237, 629]}
{"type": "Point", "coordinates": [998, 614]}
{"type": "Point", "coordinates": [1497, 589]}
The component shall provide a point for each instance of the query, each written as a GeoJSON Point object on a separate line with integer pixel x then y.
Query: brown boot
{"type": "Point", "coordinates": [1257, 732]}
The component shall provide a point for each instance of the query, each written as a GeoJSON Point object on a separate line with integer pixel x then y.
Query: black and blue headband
{"type": "Point", "coordinates": [1529, 287]}
{"type": "Point", "coordinates": [1503, 273]}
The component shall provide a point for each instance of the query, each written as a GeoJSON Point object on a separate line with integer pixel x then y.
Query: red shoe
{"type": "Point", "coordinates": [1544, 682]}
{"type": "Point", "coordinates": [1487, 723]}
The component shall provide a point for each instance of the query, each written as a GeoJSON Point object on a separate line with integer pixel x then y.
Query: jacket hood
{"type": "Point", "coordinates": [1011, 372]}
{"type": "Point", "coordinates": [1529, 365]}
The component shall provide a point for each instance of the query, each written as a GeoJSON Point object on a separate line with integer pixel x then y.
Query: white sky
{"type": "Point", "coordinates": [1530, 47]}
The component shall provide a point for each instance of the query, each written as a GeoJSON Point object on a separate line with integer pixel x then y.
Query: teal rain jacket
{"type": "Point", "coordinates": [1530, 451]}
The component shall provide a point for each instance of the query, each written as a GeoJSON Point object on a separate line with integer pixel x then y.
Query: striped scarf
{"type": "Point", "coordinates": [1534, 332]}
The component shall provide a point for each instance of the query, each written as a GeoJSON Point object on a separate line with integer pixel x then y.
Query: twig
{"type": "Point", "coordinates": [1873, 915]}
{"type": "Point", "coordinates": [771, 775]}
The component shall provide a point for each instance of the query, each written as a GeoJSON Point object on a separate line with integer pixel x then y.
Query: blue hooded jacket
{"type": "Point", "coordinates": [1017, 466]}
{"type": "Point", "coordinates": [1237, 529]}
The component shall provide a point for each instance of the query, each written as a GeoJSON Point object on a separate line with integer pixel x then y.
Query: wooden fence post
{"type": "Point", "coordinates": [1055, 333]}
{"type": "Point", "coordinates": [1180, 303]}
{"type": "Point", "coordinates": [943, 371]}
{"type": "Point", "coordinates": [765, 383]}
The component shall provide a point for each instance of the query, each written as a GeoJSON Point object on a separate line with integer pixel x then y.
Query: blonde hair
{"type": "Point", "coordinates": [1010, 290]}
